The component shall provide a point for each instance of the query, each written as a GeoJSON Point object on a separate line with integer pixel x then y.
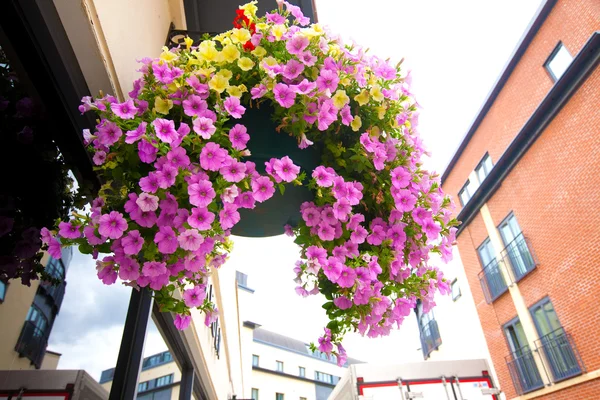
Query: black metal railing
{"type": "Point", "coordinates": [518, 255]}
{"type": "Point", "coordinates": [55, 292]}
{"type": "Point", "coordinates": [430, 338]}
{"type": "Point", "coordinates": [492, 281]}
{"type": "Point", "coordinates": [561, 355]}
{"type": "Point", "coordinates": [32, 343]}
{"type": "Point", "coordinates": [524, 371]}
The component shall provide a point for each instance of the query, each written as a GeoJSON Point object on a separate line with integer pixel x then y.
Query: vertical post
{"type": "Point", "coordinates": [129, 363]}
{"type": "Point", "coordinates": [399, 380]}
{"type": "Point", "coordinates": [187, 384]}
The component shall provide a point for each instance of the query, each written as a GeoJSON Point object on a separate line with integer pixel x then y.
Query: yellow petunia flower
{"type": "Point", "coordinates": [346, 81]}
{"type": "Point", "coordinates": [259, 52]}
{"type": "Point", "coordinates": [207, 72]}
{"type": "Point", "coordinates": [381, 111]}
{"type": "Point", "coordinates": [230, 53]}
{"type": "Point", "coordinates": [241, 35]}
{"type": "Point", "coordinates": [375, 131]}
{"type": "Point", "coordinates": [162, 106]}
{"type": "Point", "coordinates": [376, 93]}
{"type": "Point", "coordinates": [218, 83]}
{"type": "Point", "coordinates": [207, 51]}
{"type": "Point", "coordinates": [278, 31]}
{"type": "Point", "coordinates": [356, 123]}
{"type": "Point", "coordinates": [261, 26]}
{"type": "Point", "coordinates": [362, 98]}
{"type": "Point", "coordinates": [167, 55]}
{"type": "Point", "coordinates": [245, 64]}
{"type": "Point", "coordinates": [188, 42]}
{"type": "Point", "coordinates": [249, 9]}
{"type": "Point", "coordinates": [225, 73]}
{"type": "Point", "coordinates": [270, 61]}
{"type": "Point", "coordinates": [340, 99]}
{"type": "Point", "coordinates": [234, 91]}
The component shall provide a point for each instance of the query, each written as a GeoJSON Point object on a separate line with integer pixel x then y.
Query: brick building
{"type": "Point", "coordinates": [525, 181]}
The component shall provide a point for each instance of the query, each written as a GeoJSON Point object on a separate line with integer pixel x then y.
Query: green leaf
{"type": "Point", "coordinates": [281, 188]}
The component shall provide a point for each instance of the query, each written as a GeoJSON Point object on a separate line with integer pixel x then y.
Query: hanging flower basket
{"type": "Point", "coordinates": [205, 142]}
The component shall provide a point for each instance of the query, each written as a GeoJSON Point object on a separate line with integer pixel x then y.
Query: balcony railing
{"type": "Point", "coordinates": [430, 338]}
{"type": "Point", "coordinates": [56, 293]}
{"type": "Point", "coordinates": [524, 371]}
{"type": "Point", "coordinates": [518, 255]}
{"type": "Point", "coordinates": [32, 343]}
{"type": "Point", "coordinates": [561, 355]}
{"type": "Point", "coordinates": [492, 281]}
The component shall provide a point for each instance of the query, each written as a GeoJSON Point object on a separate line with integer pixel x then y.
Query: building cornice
{"type": "Point", "coordinates": [580, 68]}
{"type": "Point", "coordinates": [526, 40]}
{"type": "Point", "coordinates": [298, 352]}
{"type": "Point", "coordinates": [284, 375]}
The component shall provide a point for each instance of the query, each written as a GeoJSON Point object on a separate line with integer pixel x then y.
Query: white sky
{"type": "Point", "coordinates": [456, 50]}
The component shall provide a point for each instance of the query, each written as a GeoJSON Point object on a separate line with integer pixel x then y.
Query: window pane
{"type": "Point", "coordinates": [487, 164]}
{"type": "Point", "coordinates": [472, 187]}
{"type": "Point", "coordinates": [2, 290]}
{"type": "Point", "coordinates": [486, 252]}
{"type": "Point", "coordinates": [560, 62]}
{"type": "Point", "coordinates": [464, 196]}
{"type": "Point", "coordinates": [254, 394]}
{"type": "Point", "coordinates": [279, 366]}
{"type": "Point", "coordinates": [455, 290]}
{"type": "Point", "coordinates": [254, 360]}
{"type": "Point", "coordinates": [302, 372]}
{"type": "Point", "coordinates": [279, 396]}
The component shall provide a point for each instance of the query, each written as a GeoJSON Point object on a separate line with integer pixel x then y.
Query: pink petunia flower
{"type": "Point", "coordinates": [194, 105]}
{"type": "Point", "coordinates": [201, 219]}
{"type": "Point", "coordinates": [286, 169]}
{"type": "Point", "coordinates": [328, 80]}
{"type": "Point", "coordinates": [262, 189]}
{"type": "Point", "coordinates": [201, 193]}
{"type": "Point", "coordinates": [194, 297]}
{"type": "Point", "coordinates": [166, 240]}
{"type": "Point", "coordinates": [297, 44]}
{"type": "Point", "coordinates": [147, 202]}
{"type": "Point", "coordinates": [233, 107]}
{"type": "Point", "coordinates": [132, 242]}
{"type": "Point", "coordinates": [284, 95]}
{"type": "Point", "coordinates": [204, 127]}
{"type": "Point", "coordinates": [212, 157]}
{"type": "Point", "coordinates": [245, 200]}
{"type": "Point", "coordinates": [229, 216]}
{"type": "Point", "coordinates": [165, 130]}
{"type": "Point", "coordinates": [136, 134]}
{"type": "Point", "coordinates": [129, 269]}
{"type": "Point", "coordinates": [190, 240]}
{"type": "Point", "coordinates": [69, 230]}
{"type": "Point", "coordinates": [182, 321]}
{"type": "Point", "coordinates": [126, 110]}
{"type": "Point", "coordinates": [233, 171]}
{"type": "Point", "coordinates": [238, 136]}
{"type": "Point", "coordinates": [323, 177]}
{"type": "Point", "coordinates": [292, 69]}
{"type": "Point", "coordinates": [112, 225]}
{"type": "Point", "coordinates": [154, 268]}
{"type": "Point", "coordinates": [347, 277]}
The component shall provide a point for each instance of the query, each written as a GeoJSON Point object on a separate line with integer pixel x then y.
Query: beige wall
{"type": "Point", "coordinates": [51, 360]}
{"type": "Point", "coordinates": [13, 312]}
{"type": "Point", "coordinates": [269, 384]}
{"type": "Point", "coordinates": [109, 35]}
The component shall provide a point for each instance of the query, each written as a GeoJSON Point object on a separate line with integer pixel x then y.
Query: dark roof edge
{"type": "Point", "coordinates": [527, 38]}
{"type": "Point", "coordinates": [250, 324]}
{"type": "Point", "coordinates": [581, 67]}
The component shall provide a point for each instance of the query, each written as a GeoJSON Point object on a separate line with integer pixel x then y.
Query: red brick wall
{"type": "Point", "coordinates": [553, 192]}
{"type": "Point", "coordinates": [584, 391]}
{"type": "Point", "coordinates": [572, 22]}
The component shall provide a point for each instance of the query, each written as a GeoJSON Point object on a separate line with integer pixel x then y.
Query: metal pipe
{"type": "Point", "coordinates": [458, 386]}
{"type": "Point", "coordinates": [446, 387]}
{"type": "Point", "coordinates": [129, 363]}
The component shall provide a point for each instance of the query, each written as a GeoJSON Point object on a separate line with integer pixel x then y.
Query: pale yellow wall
{"type": "Point", "coordinates": [50, 360]}
{"type": "Point", "coordinates": [13, 312]}
{"type": "Point", "coordinates": [269, 384]}
{"type": "Point", "coordinates": [132, 29]}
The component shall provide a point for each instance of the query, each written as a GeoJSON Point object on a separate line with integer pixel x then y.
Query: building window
{"type": "Point", "coordinates": [455, 290]}
{"type": "Point", "coordinates": [301, 372]}
{"type": "Point", "coordinates": [554, 341]}
{"type": "Point", "coordinates": [278, 396]}
{"type": "Point", "coordinates": [558, 62]}
{"type": "Point", "coordinates": [491, 278]}
{"type": "Point", "coordinates": [484, 168]}
{"type": "Point", "coordinates": [254, 394]}
{"type": "Point", "coordinates": [55, 269]}
{"type": "Point", "coordinates": [254, 360]}
{"type": "Point", "coordinates": [142, 386]}
{"type": "Point", "coordinates": [3, 286]}
{"type": "Point", "coordinates": [467, 192]}
{"type": "Point", "coordinates": [323, 377]}
{"type": "Point", "coordinates": [279, 366]}
{"type": "Point", "coordinates": [157, 359]}
{"type": "Point", "coordinates": [516, 248]}
{"type": "Point", "coordinates": [242, 279]}
{"type": "Point", "coordinates": [164, 380]}
{"type": "Point", "coordinates": [155, 383]}
{"type": "Point", "coordinates": [521, 362]}
{"type": "Point", "coordinates": [429, 333]}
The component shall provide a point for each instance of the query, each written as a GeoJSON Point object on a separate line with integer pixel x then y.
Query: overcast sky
{"type": "Point", "coordinates": [456, 50]}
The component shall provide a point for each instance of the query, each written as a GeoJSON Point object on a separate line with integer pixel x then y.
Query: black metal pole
{"type": "Point", "coordinates": [129, 363]}
{"type": "Point", "coordinates": [186, 387]}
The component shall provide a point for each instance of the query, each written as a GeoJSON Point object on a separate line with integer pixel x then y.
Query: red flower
{"type": "Point", "coordinates": [241, 21]}
{"type": "Point", "coordinates": [248, 46]}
